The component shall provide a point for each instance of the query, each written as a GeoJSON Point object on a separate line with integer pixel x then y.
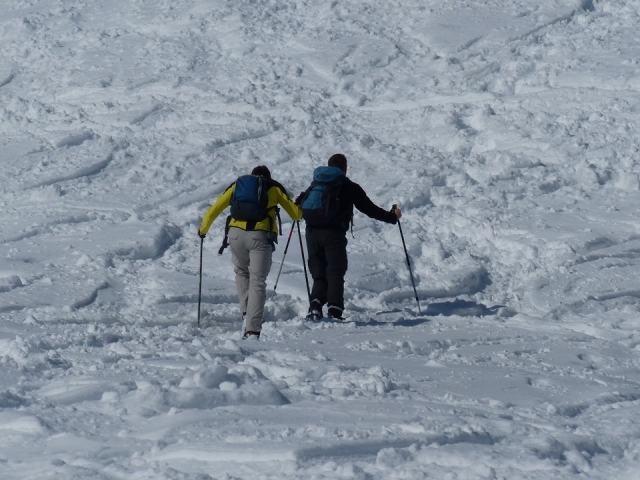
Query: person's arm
{"type": "Point", "coordinates": [294, 211]}
{"type": "Point", "coordinates": [216, 209]}
{"type": "Point", "coordinates": [363, 203]}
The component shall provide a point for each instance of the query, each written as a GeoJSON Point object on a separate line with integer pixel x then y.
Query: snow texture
{"type": "Point", "coordinates": [506, 131]}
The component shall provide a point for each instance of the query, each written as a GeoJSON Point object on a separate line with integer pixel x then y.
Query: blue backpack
{"type": "Point", "coordinates": [249, 203]}
{"type": "Point", "coordinates": [249, 199]}
{"type": "Point", "coordinates": [321, 202]}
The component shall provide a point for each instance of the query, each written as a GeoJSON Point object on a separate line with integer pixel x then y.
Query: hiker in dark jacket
{"type": "Point", "coordinates": [327, 244]}
{"type": "Point", "coordinates": [251, 245]}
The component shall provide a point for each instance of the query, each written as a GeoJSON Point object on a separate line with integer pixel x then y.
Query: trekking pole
{"type": "Point", "coordinates": [283, 255]}
{"type": "Point", "coordinates": [304, 262]}
{"type": "Point", "coordinates": [393, 208]}
{"type": "Point", "coordinates": [200, 286]}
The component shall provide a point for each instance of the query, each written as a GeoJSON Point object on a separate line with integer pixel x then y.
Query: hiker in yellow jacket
{"type": "Point", "coordinates": [252, 232]}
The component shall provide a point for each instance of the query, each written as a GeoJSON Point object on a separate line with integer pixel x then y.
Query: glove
{"type": "Point", "coordinates": [298, 199]}
{"type": "Point", "coordinates": [201, 235]}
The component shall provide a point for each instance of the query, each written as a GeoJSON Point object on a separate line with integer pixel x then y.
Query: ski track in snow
{"type": "Point", "coordinates": [506, 132]}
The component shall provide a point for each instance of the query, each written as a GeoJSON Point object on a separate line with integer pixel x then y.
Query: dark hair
{"type": "Point", "coordinates": [261, 170]}
{"type": "Point", "coordinates": [338, 160]}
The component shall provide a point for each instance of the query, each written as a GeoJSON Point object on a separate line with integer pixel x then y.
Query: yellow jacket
{"type": "Point", "coordinates": [276, 195]}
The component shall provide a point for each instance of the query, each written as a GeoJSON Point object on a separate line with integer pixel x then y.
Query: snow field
{"type": "Point", "coordinates": [506, 132]}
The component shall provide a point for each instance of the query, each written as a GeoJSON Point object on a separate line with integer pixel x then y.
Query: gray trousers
{"type": "Point", "coordinates": [251, 255]}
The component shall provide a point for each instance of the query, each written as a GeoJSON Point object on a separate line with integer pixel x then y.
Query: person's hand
{"type": "Point", "coordinates": [396, 210]}
{"type": "Point", "coordinates": [201, 235]}
{"type": "Point", "coordinates": [298, 199]}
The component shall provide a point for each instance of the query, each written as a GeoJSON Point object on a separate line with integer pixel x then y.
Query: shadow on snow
{"type": "Point", "coordinates": [408, 317]}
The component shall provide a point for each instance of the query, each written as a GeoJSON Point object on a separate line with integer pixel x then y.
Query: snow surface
{"type": "Point", "coordinates": [505, 130]}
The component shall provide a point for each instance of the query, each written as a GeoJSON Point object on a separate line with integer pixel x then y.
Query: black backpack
{"type": "Point", "coordinates": [249, 199]}
{"type": "Point", "coordinates": [321, 202]}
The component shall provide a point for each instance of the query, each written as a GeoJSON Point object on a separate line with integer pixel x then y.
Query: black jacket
{"type": "Point", "coordinates": [352, 194]}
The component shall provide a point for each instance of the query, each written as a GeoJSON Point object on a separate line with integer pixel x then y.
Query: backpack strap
{"type": "Point", "coordinates": [225, 240]}
{"type": "Point", "coordinates": [279, 220]}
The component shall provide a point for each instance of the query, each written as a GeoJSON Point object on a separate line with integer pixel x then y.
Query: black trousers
{"type": "Point", "coordinates": [328, 264]}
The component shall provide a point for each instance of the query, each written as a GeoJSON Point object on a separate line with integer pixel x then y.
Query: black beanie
{"type": "Point", "coordinates": [261, 170]}
{"type": "Point", "coordinates": [338, 160]}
